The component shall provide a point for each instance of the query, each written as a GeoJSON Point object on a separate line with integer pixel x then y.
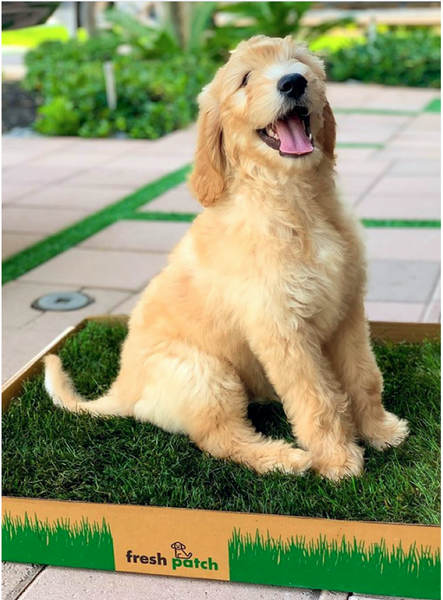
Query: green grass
{"type": "Point", "coordinates": [401, 223]}
{"type": "Point", "coordinates": [348, 565]}
{"type": "Point", "coordinates": [30, 37]}
{"type": "Point", "coordinates": [162, 216]}
{"type": "Point", "coordinates": [50, 453]}
{"type": "Point", "coordinates": [361, 146]}
{"type": "Point", "coordinates": [369, 223]}
{"type": "Point", "coordinates": [434, 106]}
{"type": "Point", "coordinates": [59, 543]}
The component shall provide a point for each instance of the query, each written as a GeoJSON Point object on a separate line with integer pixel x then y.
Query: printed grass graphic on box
{"type": "Point", "coordinates": [60, 543]}
{"type": "Point", "coordinates": [345, 565]}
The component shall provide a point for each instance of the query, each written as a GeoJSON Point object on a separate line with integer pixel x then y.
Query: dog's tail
{"type": "Point", "coordinates": [60, 388]}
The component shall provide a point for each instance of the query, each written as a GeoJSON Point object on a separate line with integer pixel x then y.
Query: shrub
{"type": "Point", "coordinates": [407, 57]}
{"type": "Point", "coordinates": [154, 96]}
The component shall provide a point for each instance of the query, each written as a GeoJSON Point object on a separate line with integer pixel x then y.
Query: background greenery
{"type": "Point", "coordinates": [401, 56]}
{"type": "Point", "coordinates": [160, 71]}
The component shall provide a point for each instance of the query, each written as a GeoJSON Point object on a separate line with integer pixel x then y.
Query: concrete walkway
{"type": "Point", "coordinates": [389, 169]}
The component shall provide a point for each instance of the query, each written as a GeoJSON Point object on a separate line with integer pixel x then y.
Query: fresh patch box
{"type": "Point", "coordinates": [359, 556]}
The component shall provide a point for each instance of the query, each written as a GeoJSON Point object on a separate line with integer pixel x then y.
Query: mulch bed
{"type": "Point", "coordinates": [19, 106]}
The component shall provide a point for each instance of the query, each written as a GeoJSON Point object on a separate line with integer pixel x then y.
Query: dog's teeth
{"type": "Point", "coordinates": [310, 137]}
{"type": "Point", "coordinates": [271, 133]}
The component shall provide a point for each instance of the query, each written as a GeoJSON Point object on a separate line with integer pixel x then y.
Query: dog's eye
{"type": "Point", "coordinates": [244, 83]}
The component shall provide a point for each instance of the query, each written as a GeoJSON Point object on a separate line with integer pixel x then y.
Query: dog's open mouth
{"type": "Point", "coordinates": [291, 135]}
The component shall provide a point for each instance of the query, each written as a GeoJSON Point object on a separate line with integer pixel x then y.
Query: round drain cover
{"type": "Point", "coordinates": [60, 301]}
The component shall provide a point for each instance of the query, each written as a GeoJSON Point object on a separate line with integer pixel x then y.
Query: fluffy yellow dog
{"type": "Point", "coordinates": [264, 295]}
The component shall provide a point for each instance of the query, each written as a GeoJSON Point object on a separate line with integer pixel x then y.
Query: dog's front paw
{"type": "Point", "coordinates": [390, 432]}
{"type": "Point", "coordinates": [294, 461]}
{"type": "Point", "coordinates": [343, 462]}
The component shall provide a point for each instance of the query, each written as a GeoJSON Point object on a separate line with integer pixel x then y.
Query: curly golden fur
{"type": "Point", "coordinates": [264, 295]}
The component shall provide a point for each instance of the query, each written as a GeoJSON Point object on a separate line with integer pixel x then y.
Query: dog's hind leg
{"type": "Point", "coordinates": [203, 396]}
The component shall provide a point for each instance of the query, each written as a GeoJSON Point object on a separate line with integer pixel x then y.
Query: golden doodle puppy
{"type": "Point", "coordinates": [264, 295]}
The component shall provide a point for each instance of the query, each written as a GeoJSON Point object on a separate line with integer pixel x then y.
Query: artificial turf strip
{"type": "Point", "coordinates": [434, 106]}
{"type": "Point", "coordinates": [161, 216]}
{"type": "Point", "coordinates": [51, 453]}
{"type": "Point", "coordinates": [360, 146]}
{"type": "Point", "coordinates": [401, 223]}
{"type": "Point", "coordinates": [35, 255]}
{"type": "Point", "coordinates": [369, 223]}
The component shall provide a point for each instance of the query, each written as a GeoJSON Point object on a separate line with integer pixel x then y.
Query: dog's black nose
{"type": "Point", "coordinates": [292, 85]}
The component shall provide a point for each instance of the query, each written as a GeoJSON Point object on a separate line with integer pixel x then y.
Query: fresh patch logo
{"type": "Point", "coordinates": [183, 559]}
{"type": "Point", "coordinates": [155, 559]}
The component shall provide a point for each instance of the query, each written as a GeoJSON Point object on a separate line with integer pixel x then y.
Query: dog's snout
{"type": "Point", "coordinates": [292, 85]}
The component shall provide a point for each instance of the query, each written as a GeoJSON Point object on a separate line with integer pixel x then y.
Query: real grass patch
{"type": "Point", "coordinates": [50, 453]}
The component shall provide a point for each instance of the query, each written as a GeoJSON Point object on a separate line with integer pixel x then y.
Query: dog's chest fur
{"type": "Point", "coordinates": [303, 258]}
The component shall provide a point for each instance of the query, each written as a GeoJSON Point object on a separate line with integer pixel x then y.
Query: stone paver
{"type": "Point", "coordinates": [111, 269]}
{"type": "Point", "coordinates": [397, 312]}
{"type": "Point", "coordinates": [90, 198]}
{"type": "Point", "coordinates": [425, 126]}
{"type": "Point", "coordinates": [117, 178]}
{"type": "Point", "coordinates": [412, 168]}
{"type": "Point", "coordinates": [126, 307]}
{"type": "Point", "coordinates": [397, 98]}
{"type": "Point", "coordinates": [402, 280]}
{"type": "Point", "coordinates": [99, 585]}
{"type": "Point", "coordinates": [416, 207]}
{"type": "Point", "coordinates": [39, 220]}
{"type": "Point", "coordinates": [403, 244]}
{"type": "Point", "coordinates": [355, 162]}
{"type": "Point", "coordinates": [13, 242]}
{"type": "Point", "coordinates": [325, 595]}
{"type": "Point", "coordinates": [16, 577]}
{"type": "Point", "coordinates": [178, 200]}
{"type": "Point", "coordinates": [39, 174]}
{"type": "Point", "coordinates": [20, 345]}
{"type": "Point", "coordinates": [15, 190]}
{"type": "Point", "coordinates": [19, 295]}
{"type": "Point", "coordinates": [370, 129]}
{"type": "Point", "coordinates": [355, 185]}
{"type": "Point", "coordinates": [146, 236]}
{"type": "Point", "coordinates": [405, 186]}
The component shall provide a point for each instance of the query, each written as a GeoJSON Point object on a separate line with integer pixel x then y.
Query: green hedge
{"type": "Point", "coordinates": [157, 84]}
{"type": "Point", "coordinates": [155, 96]}
{"type": "Point", "coordinates": [406, 57]}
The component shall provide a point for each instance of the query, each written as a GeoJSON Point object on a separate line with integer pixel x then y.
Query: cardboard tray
{"type": "Point", "coordinates": [365, 557]}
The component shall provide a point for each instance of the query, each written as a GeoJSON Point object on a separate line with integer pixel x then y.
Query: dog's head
{"type": "Point", "coordinates": [265, 111]}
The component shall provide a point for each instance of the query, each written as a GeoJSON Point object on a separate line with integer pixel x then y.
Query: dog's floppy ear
{"type": "Point", "coordinates": [207, 180]}
{"type": "Point", "coordinates": [329, 131]}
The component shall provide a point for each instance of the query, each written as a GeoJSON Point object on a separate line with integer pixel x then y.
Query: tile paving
{"type": "Point", "coordinates": [48, 183]}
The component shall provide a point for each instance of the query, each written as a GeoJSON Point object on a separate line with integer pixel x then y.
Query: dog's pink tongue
{"type": "Point", "coordinates": [293, 138]}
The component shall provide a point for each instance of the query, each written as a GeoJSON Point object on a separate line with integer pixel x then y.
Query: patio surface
{"type": "Point", "coordinates": [389, 170]}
